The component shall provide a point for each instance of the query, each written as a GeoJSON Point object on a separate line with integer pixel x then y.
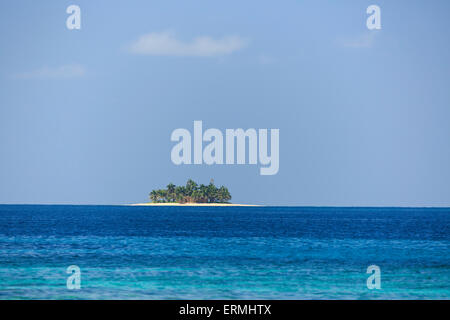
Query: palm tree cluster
{"type": "Point", "coordinates": [191, 193]}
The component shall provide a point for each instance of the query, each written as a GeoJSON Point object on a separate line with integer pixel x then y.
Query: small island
{"type": "Point", "coordinates": [191, 193]}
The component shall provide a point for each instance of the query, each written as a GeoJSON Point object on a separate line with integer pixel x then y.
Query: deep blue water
{"type": "Point", "coordinates": [223, 252]}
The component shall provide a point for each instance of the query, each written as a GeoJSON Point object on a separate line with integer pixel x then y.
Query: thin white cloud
{"type": "Point", "coordinates": [66, 71]}
{"type": "Point", "coordinates": [367, 40]}
{"type": "Point", "coordinates": [166, 44]}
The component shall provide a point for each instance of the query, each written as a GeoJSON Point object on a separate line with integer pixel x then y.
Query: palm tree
{"type": "Point", "coordinates": [180, 194]}
{"type": "Point", "coordinates": [162, 195]}
{"type": "Point", "coordinates": [191, 186]}
{"type": "Point", "coordinates": [153, 196]}
{"type": "Point", "coordinates": [211, 192]}
{"type": "Point", "coordinates": [203, 193]}
{"type": "Point", "coordinates": [224, 194]}
{"type": "Point", "coordinates": [171, 192]}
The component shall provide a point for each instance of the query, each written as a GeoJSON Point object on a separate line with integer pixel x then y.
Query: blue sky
{"type": "Point", "coordinates": [86, 115]}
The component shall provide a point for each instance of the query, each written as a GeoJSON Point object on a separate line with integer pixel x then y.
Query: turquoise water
{"type": "Point", "coordinates": [223, 253]}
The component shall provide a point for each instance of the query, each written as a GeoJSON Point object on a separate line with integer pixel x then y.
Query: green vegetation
{"type": "Point", "coordinates": [191, 193]}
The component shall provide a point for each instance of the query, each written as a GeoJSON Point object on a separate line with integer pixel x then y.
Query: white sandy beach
{"type": "Point", "coordinates": [196, 204]}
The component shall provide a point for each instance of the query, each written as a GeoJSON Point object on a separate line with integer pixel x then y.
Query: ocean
{"type": "Point", "coordinates": [128, 252]}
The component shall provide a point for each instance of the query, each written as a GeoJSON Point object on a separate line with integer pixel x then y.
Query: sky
{"type": "Point", "coordinates": [364, 115]}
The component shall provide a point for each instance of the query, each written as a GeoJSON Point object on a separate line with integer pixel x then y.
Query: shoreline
{"type": "Point", "coordinates": [191, 204]}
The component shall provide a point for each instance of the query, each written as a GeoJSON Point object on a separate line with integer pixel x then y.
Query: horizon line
{"type": "Point", "coordinates": [236, 204]}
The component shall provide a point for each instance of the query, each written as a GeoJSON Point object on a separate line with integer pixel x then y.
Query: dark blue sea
{"type": "Point", "coordinates": [128, 252]}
